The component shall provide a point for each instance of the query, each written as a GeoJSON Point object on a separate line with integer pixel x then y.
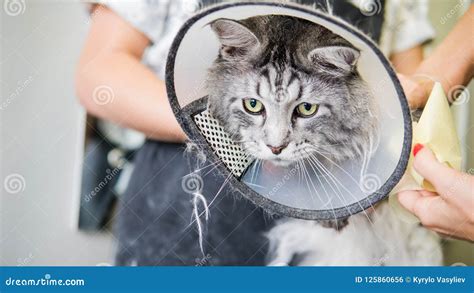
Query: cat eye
{"type": "Point", "coordinates": [253, 106]}
{"type": "Point", "coordinates": [306, 110]}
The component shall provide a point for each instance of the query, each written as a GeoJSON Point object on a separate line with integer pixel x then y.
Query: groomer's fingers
{"type": "Point", "coordinates": [449, 183]}
{"type": "Point", "coordinates": [427, 193]}
{"type": "Point", "coordinates": [431, 210]}
{"type": "Point", "coordinates": [437, 215]}
{"type": "Point", "coordinates": [417, 89]}
{"type": "Point", "coordinates": [414, 93]}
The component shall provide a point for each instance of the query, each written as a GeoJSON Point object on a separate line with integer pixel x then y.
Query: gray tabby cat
{"type": "Point", "coordinates": [286, 89]}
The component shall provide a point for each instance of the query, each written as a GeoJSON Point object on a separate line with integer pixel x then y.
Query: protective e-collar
{"type": "Point", "coordinates": [278, 189]}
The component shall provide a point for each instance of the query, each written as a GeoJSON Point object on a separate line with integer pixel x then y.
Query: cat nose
{"type": "Point", "coordinates": [277, 150]}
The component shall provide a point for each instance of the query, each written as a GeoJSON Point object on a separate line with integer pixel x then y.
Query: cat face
{"type": "Point", "coordinates": [285, 88]}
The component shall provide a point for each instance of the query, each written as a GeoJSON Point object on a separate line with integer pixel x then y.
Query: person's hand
{"type": "Point", "coordinates": [450, 211]}
{"type": "Point", "coordinates": [417, 89]}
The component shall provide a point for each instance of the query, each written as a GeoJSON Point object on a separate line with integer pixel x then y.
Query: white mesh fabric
{"type": "Point", "coordinates": [231, 154]}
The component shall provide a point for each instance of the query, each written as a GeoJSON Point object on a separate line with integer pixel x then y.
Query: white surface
{"type": "Point", "coordinates": [42, 139]}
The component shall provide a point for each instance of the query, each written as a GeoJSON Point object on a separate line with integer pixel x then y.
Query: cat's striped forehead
{"type": "Point", "coordinates": [279, 84]}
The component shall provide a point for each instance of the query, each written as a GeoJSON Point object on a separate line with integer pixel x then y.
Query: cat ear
{"type": "Point", "coordinates": [236, 39]}
{"type": "Point", "coordinates": [335, 60]}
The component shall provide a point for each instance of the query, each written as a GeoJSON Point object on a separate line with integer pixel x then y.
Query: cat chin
{"type": "Point", "coordinates": [274, 160]}
{"type": "Point", "coordinates": [279, 162]}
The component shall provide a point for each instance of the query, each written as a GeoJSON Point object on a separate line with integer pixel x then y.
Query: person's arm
{"type": "Point", "coordinates": [406, 62]}
{"type": "Point", "coordinates": [110, 65]}
{"type": "Point", "coordinates": [450, 210]}
{"type": "Point", "coordinates": [451, 63]}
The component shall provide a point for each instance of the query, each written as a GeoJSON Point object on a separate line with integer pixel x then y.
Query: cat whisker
{"type": "Point", "coordinates": [254, 168]}
{"type": "Point", "coordinates": [327, 194]}
{"type": "Point", "coordinates": [207, 166]}
{"type": "Point", "coordinates": [368, 218]}
{"type": "Point", "coordinates": [330, 176]}
{"type": "Point", "coordinates": [350, 176]}
{"type": "Point", "coordinates": [217, 164]}
{"type": "Point", "coordinates": [308, 180]}
{"type": "Point", "coordinates": [226, 180]}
